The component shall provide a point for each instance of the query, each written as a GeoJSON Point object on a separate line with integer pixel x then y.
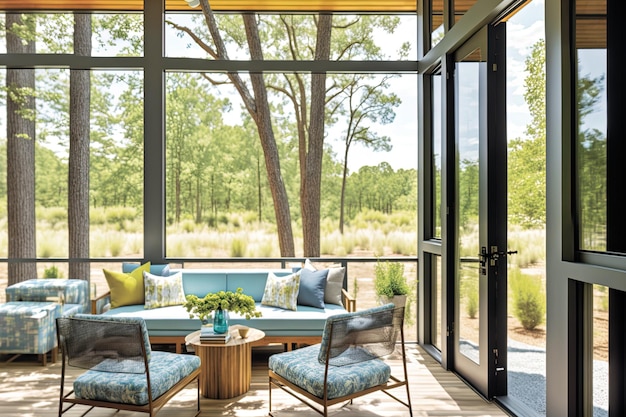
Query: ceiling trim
{"type": "Point", "coordinates": [394, 6]}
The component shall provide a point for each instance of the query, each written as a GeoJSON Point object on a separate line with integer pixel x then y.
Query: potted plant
{"type": "Point", "coordinates": [204, 307]}
{"type": "Point", "coordinates": [390, 283]}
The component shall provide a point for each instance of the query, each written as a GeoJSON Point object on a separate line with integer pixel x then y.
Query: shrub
{"type": "Point", "coordinates": [529, 303]}
{"type": "Point", "coordinates": [472, 304]}
{"type": "Point", "coordinates": [389, 279]}
{"type": "Point", "coordinates": [52, 272]}
{"type": "Point", "coordinates": [117, 215]}
{"type": "Point", "coordinates": [238, 248]}
{"type": "Point", "coordinates": [115, 246]}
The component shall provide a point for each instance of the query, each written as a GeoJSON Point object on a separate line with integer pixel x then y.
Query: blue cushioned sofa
{"type": "Point", "coordinates": [170, 325]}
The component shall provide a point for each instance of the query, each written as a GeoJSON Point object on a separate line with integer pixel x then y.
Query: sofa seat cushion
{"type": "Point", "coordinates": [166, 369]}
{"type": "Point", "coordinates": [302, 368]}
{"type": "Point", "coordinates": [175, 321]}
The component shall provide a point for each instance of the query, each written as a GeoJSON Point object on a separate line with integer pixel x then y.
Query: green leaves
{"type": "Point", "coordinates": [389, 279]}
{"type": "Point", "coordinates": [237, 302]}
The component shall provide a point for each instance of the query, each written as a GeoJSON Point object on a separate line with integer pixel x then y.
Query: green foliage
{"type": "Point", "coordinates": [355, 287]}
{"type": "Point", "coordinates": [402, 243]}
{"type": "Point", "coordinates": [530, 245]}
{"type": "Point", "coordinates": [116, 244]}
{"type": "Point", "coordinates": [380, 191]}
{"type": "Point", "coordinates": [119, 215]}
{"type": "Point", "coordinates": [53, 215]}
{"type": "Point", "coordinates": [97, 216]}
{"type": "Point", "coordinates": [601, 297]}
{"type": "Point", "coordinates": [238, 248]}
{"type": "Point", "coordinates": [52, 272]}
{"type": "Point", "coordinates": [237, 302]}
{"type": "Point", "coordinates": [389, 279]}
{"type": "Point", "coordinates": [529, 303]}
{"type": "Point", "coordinates": [214, 168]}
{"type": "Point", "coordinates": [471, 305]}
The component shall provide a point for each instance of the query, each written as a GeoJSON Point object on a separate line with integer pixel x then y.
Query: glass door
{"type": "Point", "coordinates": [480, 217]}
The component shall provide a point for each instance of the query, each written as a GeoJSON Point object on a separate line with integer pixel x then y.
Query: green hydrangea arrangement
{"type": "Point", "coordinates": [237, 302]}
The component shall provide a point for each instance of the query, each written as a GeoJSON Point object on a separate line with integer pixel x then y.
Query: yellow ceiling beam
{"type": "Point", "coordinates": [219, 5]}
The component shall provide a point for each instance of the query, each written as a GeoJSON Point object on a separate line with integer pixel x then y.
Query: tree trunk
{"type": "Point", "coordinates": [198, 199]}
{"type": "Point", "coordinates": [259, 109]}
{"type": "Point", "coordinates": [310, 191]}
{"type": "Point", "coordinates": [78, 187]}
{"type": "Point", "coordinates": [20, 159]}
{"type": "Point", "coordinates": [342, 198]}
{"type": "Point", "coordinates": [259, 195]}
{"type": "Point", "coordinates": [262, 118]}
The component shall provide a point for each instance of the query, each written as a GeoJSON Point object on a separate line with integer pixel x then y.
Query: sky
{"type": "Point", "coordinates": [524, 29]}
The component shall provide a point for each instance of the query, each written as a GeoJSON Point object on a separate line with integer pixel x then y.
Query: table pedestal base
{"type": "Point", "coordinates": [226, 370]}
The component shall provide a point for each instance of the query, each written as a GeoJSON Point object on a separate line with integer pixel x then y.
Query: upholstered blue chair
{"type": "Point", "coordinates": [27, 319]}
{"type": "Point", "coordinates": [349, 362]}
{"type": "Point", "coordinates": [122, 372]}
{"type": "Point", "coordinates": [28, 327]}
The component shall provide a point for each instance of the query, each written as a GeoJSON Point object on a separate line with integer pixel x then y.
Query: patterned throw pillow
{"type": "Point", "coordinates": [163, 291]}
{"type": "Point", "coordinates": [282, 292]}
{"type": "Point", "coordinates": [126, 289]}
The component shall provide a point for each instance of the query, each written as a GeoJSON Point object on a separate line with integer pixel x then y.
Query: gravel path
{"type": "Point", "coordinates": [527, 381]}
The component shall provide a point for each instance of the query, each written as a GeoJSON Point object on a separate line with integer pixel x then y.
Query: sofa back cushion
{"type": "Point", "coordinates": [200, 282]}
{"type": "Point", "coordinates": [252, 282]}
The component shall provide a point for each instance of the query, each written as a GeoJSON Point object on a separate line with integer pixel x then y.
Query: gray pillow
{"type": "Point", "coordinates": [334, 285]}
{"type": "Point", "coordinates": [312, 285]}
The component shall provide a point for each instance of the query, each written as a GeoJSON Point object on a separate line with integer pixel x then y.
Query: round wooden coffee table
{"type": "Point", "coordinates": [226, 367]}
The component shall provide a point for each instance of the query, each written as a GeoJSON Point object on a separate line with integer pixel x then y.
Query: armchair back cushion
{"type": "Point", "coordinates": [137, 321]}
{"type": "Point", "coordinates": [360, 336]}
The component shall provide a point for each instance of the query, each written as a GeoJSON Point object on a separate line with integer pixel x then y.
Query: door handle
{"type": "Point", "coordinates": [493, 255]}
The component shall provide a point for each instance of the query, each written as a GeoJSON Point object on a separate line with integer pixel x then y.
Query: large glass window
{"type": "Point", "coordinates": [237, 159]}
{"type": "Point", "coordinates": [110, 34]}
{"type": "Point", "coordinates": [526, 271]}
{"type": "Point", "coordinates": [217, 197]}
{"type": "Point", "coordinates": [591, 147]}
{"type": "Point", "coordinates": [293, 36]}
{"type": "Point", "coordinates": [437, 160]}
{"type": "Point", "coordinates": [115, 181]}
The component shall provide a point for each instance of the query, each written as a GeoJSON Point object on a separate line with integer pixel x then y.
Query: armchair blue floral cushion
{"type": "Point", "coordinates": [302, 368]}
{"type": "Point", "coordinates": [166, 369]}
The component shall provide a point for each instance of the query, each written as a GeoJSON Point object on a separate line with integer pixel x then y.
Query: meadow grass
{"type": "Point", "coordinates": [117, 232]}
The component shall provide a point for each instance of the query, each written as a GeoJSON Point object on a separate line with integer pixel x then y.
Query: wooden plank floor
{"type": "Point", "coordinates": [28, 389]}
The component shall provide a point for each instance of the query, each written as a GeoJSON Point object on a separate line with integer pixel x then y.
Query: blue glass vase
{"type": "Point", "coordinates": [220, 321]}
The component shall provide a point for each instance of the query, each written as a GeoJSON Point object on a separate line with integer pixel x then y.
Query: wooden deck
{"type": "Point", "coordinates": [28, 389]}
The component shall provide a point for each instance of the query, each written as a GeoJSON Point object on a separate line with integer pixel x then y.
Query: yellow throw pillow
{"type": "Point", "coordinates": [126, 289]}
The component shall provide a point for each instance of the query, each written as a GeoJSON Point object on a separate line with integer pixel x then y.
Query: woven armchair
{"type": "Point", "coordinates": [122, 372]}
{"type": "Point", "coordinates": [349, 362]}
